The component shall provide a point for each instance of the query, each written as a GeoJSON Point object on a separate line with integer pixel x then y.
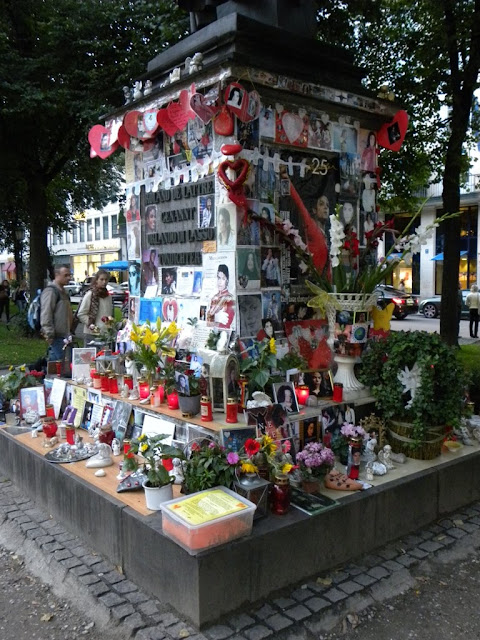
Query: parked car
{"type": "Point", "coordinates": [405, 303]}
{"type": "Point", "coordinates": [85, 286]}
{"type": "Point", "coordinates": [430, 307]}
{"type": "Point", "coordinates": [119, 292]}
{"type": "Point", "coordinates": [73, 288]}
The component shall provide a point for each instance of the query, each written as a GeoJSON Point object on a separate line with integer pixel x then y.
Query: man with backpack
{"type": "Point", "coordinates": [56, 313]}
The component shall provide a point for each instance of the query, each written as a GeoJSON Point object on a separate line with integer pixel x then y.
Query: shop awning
{"type": "Point", "coordinates": [439, 256]}
{"type": "Point", "coordinates": [9, 266]}
{"type": "Point", "coordinates": [115, 265]}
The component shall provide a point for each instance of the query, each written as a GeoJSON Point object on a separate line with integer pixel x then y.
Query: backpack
{"type": "Point", "coordinates": [35, 310]}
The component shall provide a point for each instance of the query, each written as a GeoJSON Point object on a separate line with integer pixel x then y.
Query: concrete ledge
{"type": "Point", "coordinates": [281, 551]}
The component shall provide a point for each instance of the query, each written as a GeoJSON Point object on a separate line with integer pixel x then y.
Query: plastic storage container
{"type": "Point", "coordinates": [207, 519]}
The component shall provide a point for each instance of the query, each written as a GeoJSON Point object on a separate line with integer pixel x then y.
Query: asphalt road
{"type": "Point", "coordinates": [417, 322]}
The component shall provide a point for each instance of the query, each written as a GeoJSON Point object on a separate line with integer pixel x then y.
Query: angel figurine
{"type": "Point", "coordinates": [137, 90]}
{"type": "Point", "coordinates": [148, 88]}
{"type": "Point", "coordinates": [127, 94]}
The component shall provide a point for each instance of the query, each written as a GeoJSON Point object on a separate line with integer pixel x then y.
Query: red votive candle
{"type": "Point", "coordinates": [206, 414]}
{"type": "Point", "coordinates": [232, 410]}
{"type": "Point", "coordinates": [337, 392]}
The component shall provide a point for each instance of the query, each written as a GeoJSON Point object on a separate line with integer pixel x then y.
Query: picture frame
{"type": "Point", "coordinates": [284, 394]}
{"type": "Point", "coordinates": [309, 431]}
{"type": "Point", "coordinates": [319, 382]}
{"type": "Point", "coordinates": [234, 438]}
{"type": "Point", "coordinates": [32, 401]}
{"type": "Point", "coordinates": [82, 362]}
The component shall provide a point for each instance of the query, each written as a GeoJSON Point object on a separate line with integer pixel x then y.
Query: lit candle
{"type": "Point", "coordinates": [143, 389]}
{"type": "Point", "coordinates": [172, 400]}
{"type": "Point", "coordinates": [302, 392]}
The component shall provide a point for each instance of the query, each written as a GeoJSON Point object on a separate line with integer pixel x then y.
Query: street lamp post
{"type": "Point", "coordinates": [18, 252]}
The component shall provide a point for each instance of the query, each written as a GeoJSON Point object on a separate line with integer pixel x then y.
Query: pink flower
{"type": "Point", "coordinates": [232, 458]}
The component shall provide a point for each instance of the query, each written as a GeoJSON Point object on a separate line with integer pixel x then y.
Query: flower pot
{"type": "Point", "coordinates": [311, 486]}
{"type": "Point", "coordinates": [401, 440]}
{"type": "Point", "coordinates": [189, 405]}
{"type": "Point", "coordinates": [155, 496]}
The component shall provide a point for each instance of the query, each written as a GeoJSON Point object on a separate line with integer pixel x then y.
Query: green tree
{"type": "Point", "coordinates": [62, 66]}
{"type": "Point", "coordinates": [428, 52]}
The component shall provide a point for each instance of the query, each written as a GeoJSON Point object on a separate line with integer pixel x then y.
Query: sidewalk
{"type": "Point", "coordinates": [305, 610]}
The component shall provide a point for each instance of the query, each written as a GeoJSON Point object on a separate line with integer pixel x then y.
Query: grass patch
{"type": "Point", "coordinates": [469, 356]}
{"type": "Point", "coordinates": [17, 349]}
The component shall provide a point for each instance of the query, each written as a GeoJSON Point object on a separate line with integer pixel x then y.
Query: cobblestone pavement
{"type": "Point", "coordinates": [306, 611]}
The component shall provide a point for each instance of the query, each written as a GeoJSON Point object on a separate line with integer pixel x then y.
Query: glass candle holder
{"type": "Point", "coordinates": [128, 380]}
{"type": "Point", "coordinates": [206, 413]}
{"type": "Point", "coordinates": [143, 389]}
{"type": "Point", "coordinates": [337, 392]}
{"type": "Point", "coordinates": [113, 383]}
{"type": "Point", "coordinates": [172, 400]}
{"type": "Point", "coordinates": [302, 392]}
{"type": "Point", "coordinates": [50, 411]}
{"type": "Point", "coordinates": [97, 381]}
{"type": "Point", "coordinates": [281, 494]}
{"type": "Point", "coordinates": [232, 411]}
{"type": "Point", "coordinates": [104, 384]}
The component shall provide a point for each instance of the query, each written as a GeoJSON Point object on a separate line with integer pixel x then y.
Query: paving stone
{"type": "Point", "coordinates": [258, 632]}
{"type": "Point", "coordinates": [300, 612]}
{"type": "Point", "coordinates": [475, 520]}
{"type": "Point", "coordinates": [89, 579]}
{"type": "Point", "coordinates": [445, 524]}
{"type": "Point", "coordinates": [378, 572]}
{"type": "Point", "coordinates": [445, 540]}
{"type": "Point", "coordinates": [338, 576]}
{"type": "Point", "coordinates": [365, 579]}
{"type": "Point", "coordinates": [33, 534]}
{"type": "Point", "coordinates": [136, 597]}
{"type": "Point", "coordinates": [392, 565]}
{"type": "Point", "coordinates": [454, 532]}
{"type": "Point", "coordinates": [79, 550]}
{"type": "Point", "coordinates": [435, 529]}
{"type": "Point", "coordinates": [180, 630]}
{"type": "Point", "coordinates": [102, 567]}
{"type": "Point", "coordinates": [111, 599]}
{"type": "Point", "coordinates": [112, 577]}
{"type": "Point", "coordinates": [470, 527]}
{"type": "Point", "coordinates": [278, 622]}
{"type": "Point", "coordinates": [14, 513]}
{"type": "Point", "coordinates": [335, 595]}
{"type": "Point", "coordinates": [264, 612]}
{"type": "Point", "coordinates": [426, 534]}
{"type": "Point", "coordinates": [283, 603]}
{"type": "Point", "coordinates": [167, 619]}
{"type": "Point", "coordinates": [302, 594]}
{"type": "Point", "coordinates": [151, 633]}
{"type": "Point", "coordinates": [125, 587]}
{"type": "Point", "coordinates": [92, 560]}
{"type": "Point", "coordinates": [36, 514]}
{"type": "Point", "coordinates": [73, 563]}
{"type": "Point", "coordinates": [371, 560]}
{"type": "Point", "coordinates": [407, 560]}
{"type": "Point", "coordinates": [388, 553]}
{"type": "Point", "coordinates": [316, 604]}
{"type": "Point", "coordinates": [122, 611]}
{"type": "Point", "coordinates": [65, 537]}
{"type": "Point", "coordinates": [22, 518]}
{"type": "Point", "coordinates": [430, 545]}
{"type": "Point", "coordinates": [61, 554]}
{"type": "Point", "coordinates": [134, 622]}
{"type": "Point", "coordinates": [50, 547]}
{"type": "Point", "coordinates": [355, 570]}
{"type": "Point", "coordinates": [418, 553]}
{"type": "Point", "coordinates": [413, 541]}
{"type": "Point", "coordinates": [219, 632]}
{"type": "Point", "coordinates": [148, 608]}
{"type": "Point", "coordinates": [350, 587]}
{"type": "Point", "coordinates": [99, 588]}
{"type": "Point", "coordinates": [28, 526]}
{"type": "Point", "coordinates": [81, 570]}
{"type": "Point", "coordinates": [242, 620]}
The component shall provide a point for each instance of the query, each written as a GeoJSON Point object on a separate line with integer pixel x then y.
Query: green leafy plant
{"type": "Point", "coordinates": [257, 362]}
{"type": "Point", "coordinates": [18, 378]}
{"type": "Point", "coordinates": [209, 465]}
{"type": "Point", "coordinates": [415, 377]}
{"type": "Point", "coordinates": [153, 450]}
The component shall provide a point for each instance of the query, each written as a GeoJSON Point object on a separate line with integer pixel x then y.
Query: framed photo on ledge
{"type": "Point", "coordinates": [32, 404]}
{"type": "Point", "coordinates": [284, 394]}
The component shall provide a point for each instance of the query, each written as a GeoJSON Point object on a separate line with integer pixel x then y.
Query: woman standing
{"type": "Point", "coordinates": [20, 295]}
{"type": "Point", "coordinates": [5, 300]}
{"type": "Point", "coordinates": [96, 304]}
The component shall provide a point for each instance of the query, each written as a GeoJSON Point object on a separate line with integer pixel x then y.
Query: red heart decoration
{"type": "Point", "coordinates": [241, 165]}
{"type": "Point", "coordinates": [135, 123]}
{"type": "Point", "coordinates": [164, 121]}
{"type": "Point", "coordinates": [236, 98]}
{"type": "Point", "coordinates": [184, 100]}
{"type": "Point", "coordinates": [99, 139]}
{"type": "Point", "coordinates": [178, 115]}
{"type": "Point", "coordinates": [223, 123]}
{"type": "Point", "coordinates": [200, 107]}
{"type": "Point", "coordinates": [133, 144]}
{"type": "Point", "coordinates": [392, 134]}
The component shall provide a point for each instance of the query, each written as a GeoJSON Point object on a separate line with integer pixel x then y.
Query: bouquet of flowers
{"type": "Point", "coordinates": [315, 461]}
{"type": "Point", "coordinates": [151, 341]}
{"type": "Point", "coordinates": [18, 378]}
{"type": "Point", "coordinates": [209, 465]}
{"type": "Point", "coordinates": [261, 452]}
{"type": "Point", "coordinates": [347, 433]}
{"type": "Point", "coordinates": [107, 333]}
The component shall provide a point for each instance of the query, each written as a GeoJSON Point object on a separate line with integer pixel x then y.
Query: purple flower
{"type": "Point", "coordinates": [212, 445]}
{"type": "Point", "coordinates": [232, 458]}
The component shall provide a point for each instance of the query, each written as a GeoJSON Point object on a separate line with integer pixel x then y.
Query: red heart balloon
{"type": "Point", "coordinates": [133, 144]}
{"type": "Point", "coordinates": [178, 115]}
{"type": "Point", "coordinates": [99, 139]}
{"type": "Point", "coordinates": [240, 165]}
{"type": "Point", "coordinates": [164, 121]}
{"type": "Point", "coordinates": [184, 100]}
{"type": "Point", "coordinates": [223, 123]}
{"type": "Point", "coordinates": [140, 124]}
{"type": "Point", "coordinates": [392, 134]}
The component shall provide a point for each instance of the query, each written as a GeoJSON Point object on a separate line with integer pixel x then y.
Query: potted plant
{"type": "Point", "coordinates": [266, 457]}
{"type": "Point", "coordinates": [158, 485]}
{"type": "Point", "coordinates": [418, 385]}
{"type": "Point", "coordinates": [188, 387]}
{"type": "Point", "coordinates": [209, 465]}
{"type": "Point", "coordinates": [18, 378]}
{"type": "Point", "coordinates": [349, 434]}
{"type": "Point", "coordinates": [314, 462]}
{"type": "Point", "coordinates": [256, 363]}
{"type": "Point", "coordinates": [151, 342]}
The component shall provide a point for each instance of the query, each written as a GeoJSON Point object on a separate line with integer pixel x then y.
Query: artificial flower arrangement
{"type": "Point", "coordinates": [348, 432]}
{"type": "Point", "coordinates": [151, 342]}
{"type": "Point", "coordinates": [209, 465]}
{"type": "Point", "coordinates": [264, 452]}
{"type": "Point", "coordinates": [315, 461]}
{"type": "Point", "coordinates": [153, 450]}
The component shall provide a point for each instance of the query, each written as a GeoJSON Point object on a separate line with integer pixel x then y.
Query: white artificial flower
{"type": "Point", "coordinates": [303, 267]}
{"type": "Point", "coordinates": [411, 380]}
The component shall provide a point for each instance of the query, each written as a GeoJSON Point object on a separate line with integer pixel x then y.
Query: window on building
{"type": "Point", "coordinates": [75, 234]}
{"type": "Point", "coordinates": [468, 249]}
{"type": "Point", "coordinates": [67, 237]}
{"type": "Point", "coordinates": [89, 230]}
{"type": "Point", "coordinates": [97, 229]}
{"type": "Point", "coordinates": [81, 227]}
{"type": "Point", "coordinates": [54, 239]}
{"type": "Point", "coordinates": [106, 233]}
{"type": "Point", "coordinates": [114, 224]}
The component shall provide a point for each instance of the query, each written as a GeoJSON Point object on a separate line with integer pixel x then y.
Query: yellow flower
{"type": "Point", "coordinates": [150, 339]}
{"type": "Point", "coordinates": [22, 368]}
{"type": "Point", "coordinates": [273, 348]}
{"type": "Point", "coordinates": [173, 329]}
{"type": "Point", "coordinates": [248, 467]}
{"type": "Point", "coordinates": [10, 368]}
{"type": "Point", "coordinates": [144, 447]}
{"type": "Point", "coordinates": [142, 437]}
{"type": "Point", "coordinates": [287, 468]}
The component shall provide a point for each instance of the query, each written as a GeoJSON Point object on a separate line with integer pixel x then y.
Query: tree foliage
{"type": "Point", "coordinates": [62, 66]}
